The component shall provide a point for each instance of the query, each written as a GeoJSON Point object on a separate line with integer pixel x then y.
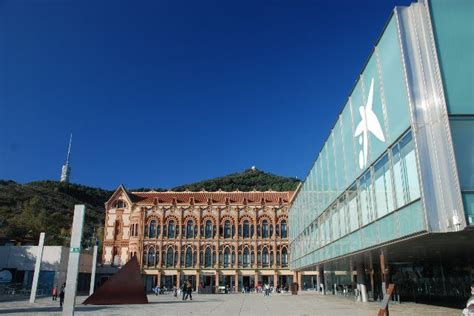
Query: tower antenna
{"type": "Point", "coordinates": [66, 169]}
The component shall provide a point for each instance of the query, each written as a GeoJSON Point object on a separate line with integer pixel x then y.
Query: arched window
{"type": "Point", "coordinates": [152, 231]}
{"type": "Point", "coordinates": [265, 258]}
{"type": "Point", "coordinates": [170, 257]}
{"type": "Point", "coordinates": [227, 229]}
{"type": "Point", "coordinates": [208, 229]}
{"type": "Point", "coordinates": [117, 229]}
{"type": "Point", "coordinates": [226, 257]}
{"type": "Point", "coordinates": [284, 257]}
{"type": "Point", "coordinates": [145, 258]}
{"type": "Point", "coordinates": [246, 258]}
{"type": "Point", "coordinates": [246, 229]}
{"type": "Point", "coordinates": [265, 229]}
{"type": "Point", "coordinates": [189, 258]}
{"type": "Point", "coordinates": [151, 257]}
{"type": "Point", "coordinates": [284, 231]}
{"type": "Point", "coordinates": [171, 232]}
{"type": "Point", "coordinates": [189, 229]}
{"type": "Point", "coordinates": [208, 257]}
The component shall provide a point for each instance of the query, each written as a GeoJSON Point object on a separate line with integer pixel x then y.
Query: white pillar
{"type": "Point", "coordinates": [94, 264]}
{"type": "Point", "coordinates": [39, 258]}
{"type": "Point", "coordinates": [73, 263]}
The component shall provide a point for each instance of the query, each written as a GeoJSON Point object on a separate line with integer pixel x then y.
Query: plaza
{"type": "Point", "coordinates": [232, 304]}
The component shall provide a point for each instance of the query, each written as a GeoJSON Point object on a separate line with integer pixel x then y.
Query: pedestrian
{"type": "Point", "coordinates": [61, 296]}
{"type": "Point", "coordinates": [469, 310]}
{"type": "Point", "coordinates": [184, 290]}
{"type": "Point", "coordinates": [189, 291]}
{"type": "Point", "coordinates": [55, 293]}
{"type": "Point", "coordinates": [175, 291]}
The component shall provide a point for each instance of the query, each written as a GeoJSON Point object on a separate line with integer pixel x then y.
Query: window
{"type": "Point", "coordinates": [265, 258]}
{"type": "Point", "coordinates": [383, 187]}
{"type": "Point", "coordinates": [189, 257]}
{"type": "Point", "coordinates": [265, 229]}
{"type": "Point", "coordinates": [121, 204]}
{"type": "Point", "coordinates": [171, 232]}
{"type": "Point", "coordinates": [246, 258]}
{"type": "Point", "coordinates": [158, 229]}
{"type": "Point", "coordinates": [151, 257]}
{"type": "Point", "coordinates": [226, 257]}
{"type": "Point", "coordinates": [284, 231]}
{"type": "Point", "coordinates": [246, 229]}
{"type": "Point", "coordinates": [145, 258]}
{"type": "Point", "coordinates": [152, 232]}
{"type": "Point", "coordinates": [284, 257]}
{"type": "Point", "coordinates": [189, 229]}
{"type": "Point", "coordinates": [227, 229]}
{"type": "Point", "coordinates": [207, 257]}
{"type": "Point", "coordinates": [365, 198]}
{"type": "Point", "coordinates": [208, 229]}
{"type": "Point", "coordinates": [170, 257]}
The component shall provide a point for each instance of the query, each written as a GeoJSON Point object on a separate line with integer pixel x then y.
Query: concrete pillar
{"type": "Point", "coordinates": [158, 278]}
{"type": "Point", "coordinates": [94, 265]}
{"type": "Point", "coordinates": [236, 282]}
{"type": "Point", "coordinates": [275, 279]}
{"type": "Point", "coordinates": [361, 283]}
{"type": "Point", "coordinates": [217, 282]}
{"type": "Point", "coordinates": [322, 282]}
{"type": "Point", "coordinates": [39, 258]}
{"type": "Point", "coordinates": [256, 278]}
{"type": "Point", "coordinates": [73, 263]}
{"type": "Point", "coordinates": [318, 282]}
{"type": "Point", "coordinates": [198, 281]}
{"type": "Point", "coordinates": [178, 279]}
{"type": "Point", "coordinates": [384, 272]}
{"type": "Point", "coordinates": [300, 285]}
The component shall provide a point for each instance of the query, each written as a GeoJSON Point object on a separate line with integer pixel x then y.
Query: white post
{"type": "Point", "coordinates": [73, 263]}
{"type": "Point", "coordinates": [39, 258]}
{"type": "Point", "coordinates": [94, 264]}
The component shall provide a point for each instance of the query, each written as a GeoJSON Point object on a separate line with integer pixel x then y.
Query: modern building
{"type": "Point", "coordinates": [215, 239]}
{"type": "Point", "coordinates": [390, 196]}
{"type": "Point", "coordinates": [17, 265]}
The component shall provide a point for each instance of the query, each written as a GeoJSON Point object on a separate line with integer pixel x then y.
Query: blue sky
{"type": "Point", "coordinates": [162, 93]}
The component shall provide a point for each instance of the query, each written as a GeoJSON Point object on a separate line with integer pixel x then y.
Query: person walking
{"type": "Point", "coordinates": [189, 291]}
{"type": "Point", "coordinates": [55, 293]}
{"type": "Point", "coordinates": [175, 291]}
{"type": "Point", "coordinates": [61, 296]}
{"type": "Point", "coordinates": [184, 290]}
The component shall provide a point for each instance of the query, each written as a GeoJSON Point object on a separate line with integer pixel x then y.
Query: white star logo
{"type": "Point", "coordinates": [369, 123]}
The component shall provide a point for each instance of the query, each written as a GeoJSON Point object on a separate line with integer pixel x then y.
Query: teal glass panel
{"type": "Point", "coordinates": [361, 142]}
{"type": "Point", "coordinates": [328, 179]}
{"type": "Point", "coordinates": [365, 198]}
{"type": "Point", "coordinates": [355, 241]}
{"type": "Point", "coordinates": [468, 199]}
{"type": "Point", "coordinates": [319, 187]}
{"type": "Point", "coordinates": [453, 27]}
{"type": "Point", "coordinates": [393, 81]}
{"type": "Point", "coordinates": [353, 208]}
{"type": "Point", "coordinates": [369, 236]}
{"type": "Point", "coordinates": [374, 113]}
{"type": "Point", "coordinates": [407, 150]}
{"type": "Point", "coordinates": [411, 219]}
{"type": "Point", "coordinates": [462, 131]}
{"type": "Point", "coordinates": [348, 139]}
{"type": "Point", "coordinates": [339, 158]}
{"type": "Point", "coordinates": [388, 228]}
{"type": "Point", "coordinates": [331, 168]}
{"type": "Point", "coordinates": [384, 202]}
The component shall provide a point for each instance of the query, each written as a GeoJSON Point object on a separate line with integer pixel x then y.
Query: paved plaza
{"type": "Point", "coordinates": [231, 304]}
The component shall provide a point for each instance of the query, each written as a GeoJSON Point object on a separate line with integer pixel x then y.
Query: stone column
{"type": "Point", "coordinates": [275, 279]}
{"type": "Point", "coordinates": [217, 281]}
{"type": "Point", "coordinates": [256, 278]}
{"type": "Point", "coordinates": [178, 279]}
{"type": "Point", "coordinates": [361, 283]}
{"type": "Point", "coordinates": [300, 285]}
{"type": "Point", "coordinates": [198, 281]}
{"type": "Point", "coordinates": [158, 278]}
{"type": "Point", "coordinates": [318, 283]}
{"type": "Point", "coordinates": [321, 280]}
{"type": "Point", "coordinates": [236, 277]}
{"type": "Point", "coordinates": [385, 272]}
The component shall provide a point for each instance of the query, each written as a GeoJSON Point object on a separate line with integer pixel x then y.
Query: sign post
{"type": "Point", "coordinates": [73, 263]}
{"type": "Point", "coordinates": [39, 258]}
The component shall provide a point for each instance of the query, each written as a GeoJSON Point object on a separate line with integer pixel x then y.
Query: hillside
{"type": "Point", "coordinates": [28, 209]}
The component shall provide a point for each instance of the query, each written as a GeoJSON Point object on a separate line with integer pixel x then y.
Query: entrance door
{"type": "Point", "coordinates": [207, 284]}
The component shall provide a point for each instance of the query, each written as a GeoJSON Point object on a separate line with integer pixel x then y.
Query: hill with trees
{"type": "Point", "coordinates": [28, 209]}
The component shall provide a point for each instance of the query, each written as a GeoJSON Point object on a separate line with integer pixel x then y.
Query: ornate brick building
{"type": "Point", "coordinates": [214, 239]}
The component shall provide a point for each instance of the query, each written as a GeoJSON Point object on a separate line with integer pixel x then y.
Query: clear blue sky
{"type": "Point", "coordinates": [162, 93]}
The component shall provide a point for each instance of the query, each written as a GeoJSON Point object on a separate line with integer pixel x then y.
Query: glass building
{"type": "Point", "coordinates": [390, 196]}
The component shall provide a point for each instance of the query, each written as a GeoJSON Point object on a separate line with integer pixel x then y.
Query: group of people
{"type": "Point", "coordinates": [61, 293]}
{"type": "Point", "coordinates": [186, 290]}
